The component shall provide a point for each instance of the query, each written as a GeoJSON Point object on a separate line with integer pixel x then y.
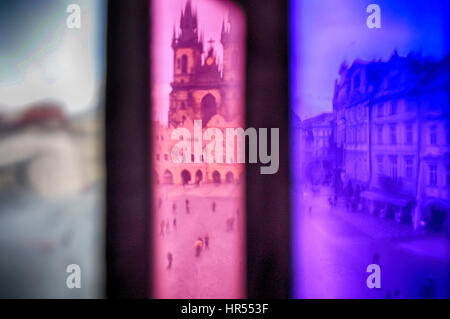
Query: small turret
{"type": "Point", "coordinates": [174, 37]}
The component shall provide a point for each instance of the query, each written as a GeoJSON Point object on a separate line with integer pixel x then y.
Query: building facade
{"type": "Point", "coordinates": [318, 140]}
{"type": "Point", "coordinates": [202, 89]}
{"type": "Point", "coordinates": [392, 125]}
{"type": "Point", "coordinates": [199, 88]}
{"type": "Point", "coordinates": [351, 104]}
{"type": "Point", "coordinates": [433, 191]}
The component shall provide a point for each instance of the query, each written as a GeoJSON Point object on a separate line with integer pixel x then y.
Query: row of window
{"type": "Point", "coordinates": [393, 134]}
{"type": "Point", "coordinates": [409, 134]}
{"type": "Point", "coordinates": [433, 175]}
{"type": "Point", "coordinates": [158, 157]}
{"type": "Point", "coordinates": [322, 132]}
{"type": "Point", "coordinates": [408, 167]}
{"type": "Point", "coordinates": [356, 134]}
{"type": "Point", "coordinates": [321, 142]}
{"type": "Point", "coordinates": [356, 114]}
{"type": "Point", "coordinates": [161, 137]}
{"type": "Point", "coordinates": [393, 81]}
{"type": "Point", "coordinates": [392, 107]}
{"type": "Point", "coordinates": [434, 135]}
{"type": "Point", "coordinates": [166, 158]}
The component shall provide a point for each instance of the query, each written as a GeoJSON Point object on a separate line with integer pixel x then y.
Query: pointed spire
{"type": "Point", "coordinates": [188, 18]}
{"type": "Point", "coordinates": [188, 25]}
{"type": "Point", "coordinates": [224, 34]}
{"type": "Point", "coordinates": [194, 14]}
{"type": "Point", "coordinates": [188, 9]}
{"type": "Point", "coordinates": [174, 36]}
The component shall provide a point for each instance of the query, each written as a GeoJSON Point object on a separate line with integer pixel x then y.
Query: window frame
{"type": "Point", "coordinates": [128, 236]}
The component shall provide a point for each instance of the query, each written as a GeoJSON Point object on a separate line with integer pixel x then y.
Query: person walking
{"type": "Point", "coordinates": [169, 260]}
{"type": "Point", "coordinates": [161, 233]}
{"type": "Point", "coordinates": [230, 224]}
{"type": "Point", "coordinates": [388, 295]}
{"type": "Point", "coordinates": [174, 224]}
{"type": "Point", "coordinates": [397, 294]}
{"type": "Point", "coordinates": [174, 207]}
{"type": "Point", "coordinates": [198, 245]}
{"type": "Point", "coordinates": [376, 258]}
{"type": "Point", "coordinates": [206, 242]}
{"type": "Point", "coordinates": [330, 201]}
{"type": "Point", "coordinates": [357, 198]}
{"type": "Point", "coordinates": [349, 195]}
{"type": "Point", "coordinates": [214, 206]}
{"type": "Point", "coordinates": [429, 289]}
{"type": "Point", "coordinates": [188, 210]}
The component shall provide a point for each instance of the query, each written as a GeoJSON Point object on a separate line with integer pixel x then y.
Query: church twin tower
{"type": "Point", "coordinates": [200, 89]}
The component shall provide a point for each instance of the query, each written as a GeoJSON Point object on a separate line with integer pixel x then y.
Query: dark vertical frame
{"type": "Point", "coordinates": [128, 150]}
{"type": "Point", "coordinates": [267, 106]}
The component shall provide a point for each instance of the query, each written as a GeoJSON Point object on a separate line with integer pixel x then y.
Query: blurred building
{"type": "Point", "coordinates": [52, 154]}
{"type": "Point", "coordinates": [433, 190]}
{"type": "Point", "coordinates": [318, 160]}
{"type": "Point", "coordinates": [351, 104]}
{"type": "Point", "coordinates": [199, 88]}
{"type": "Point", "coordinates": [392, 125]}
{"type": "Point", "coordinates": [394, 133]}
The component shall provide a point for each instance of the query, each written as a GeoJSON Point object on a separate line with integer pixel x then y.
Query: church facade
{"type": "Point", "coordinates": [203, 88]}
{"type": "Point", "coordinates": [199, 88]}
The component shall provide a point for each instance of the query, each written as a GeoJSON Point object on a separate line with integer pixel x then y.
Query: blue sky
{"type": "Point", "coordinates": [326, 32]}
